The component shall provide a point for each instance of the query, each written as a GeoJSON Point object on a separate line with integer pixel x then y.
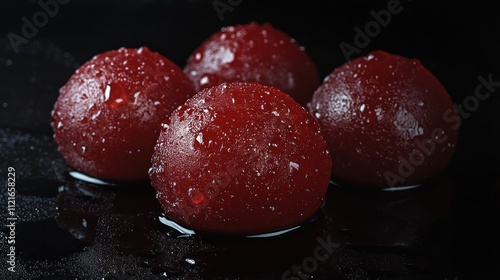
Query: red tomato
{"type": "Point", "coordinates": [107, 118]}
{"type": "Point", "coordinates": [387, 121]}
{"type": "Point", "coordinates": [240, 158]}
{"type": "Point", "coordinates": [254, 53]}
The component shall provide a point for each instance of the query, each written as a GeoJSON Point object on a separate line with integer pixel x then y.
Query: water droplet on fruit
{"type": "Point", "coordinates": [293, 165]}
{"type": "Point", "coordinates": [362, 108]}
{"type": "Point", "coordinates": [407, 124]}
{"type": "Point", "coordinates": [199, 138]}
{"type": "Point", "coordinates": [198, 55]}
{"type": "Point", "coordinates": [204, 80]}
{"type": "Point", "coordinates": [290, 80]}
{"type": "Point", "coordinates": [84, 150]}
{"type": "Point", "coordinates": [196, 196]}
{"type": "Point", "coordinates": [136, 97]}
{"type": "Point", "coordinates": [221, 56]}
{"type": "Point", "coordinates": [115, 96]}
{"type": "Point", "coordinates": [378, 113]}
{"type": "Point", "coordinates": [420, 131]}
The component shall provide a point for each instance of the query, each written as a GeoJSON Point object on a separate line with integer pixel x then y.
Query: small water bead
{"type": "Point", "coordinates": [197, 197]}
{"type": "Point", "coordinates": [293, 166]}
{"type": "Point", "coordinates": [115, 95]}
{"type": "Point", "coordinates": [204, 80]}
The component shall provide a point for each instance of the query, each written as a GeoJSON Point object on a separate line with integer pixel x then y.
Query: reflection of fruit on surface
{"type": "Point", "coordinates": [254, 53]}
{"type": "Point", "coordinates": [107, 117]}
{"type": "Point", "coordinates": [387, 120]}
{"type": "Point", "coordinates": [240, 158]}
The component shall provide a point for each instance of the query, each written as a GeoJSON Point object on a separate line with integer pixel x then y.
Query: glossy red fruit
{"type": "Point", "coordinates": [107, 118]}
{"type": "Point", "coordinates": [254, 53]}
{"type": "Point", "coordinates": [387, 121]}
{"type": "Point", "coordinates": [240, 158]}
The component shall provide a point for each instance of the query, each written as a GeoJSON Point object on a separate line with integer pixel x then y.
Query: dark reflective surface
{"type": "Point", "coordinates": [95, 229]}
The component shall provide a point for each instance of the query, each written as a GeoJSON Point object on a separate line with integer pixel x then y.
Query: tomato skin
{"type": "Point", "coordinates": [107, 117]}
{"type": "Point", "coordinates": [240, 159]}
{"type": "Point", "coordinates": [386, 120]}
{"type": "Point", "coordinates": [254, 53]}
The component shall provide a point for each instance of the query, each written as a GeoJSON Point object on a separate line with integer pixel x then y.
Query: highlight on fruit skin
{"type": "Point", "coordinates": [388, 122]}
{"type": "Point", "coordinates": [107, 117]}
{"type": "Point", "coordinates": [254, 53]}
{"type": "Point", "coordinates": [240, 159]}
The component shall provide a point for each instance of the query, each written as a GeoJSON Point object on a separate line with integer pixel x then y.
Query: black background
{"type": "Point", "coordinates": [457, 41]}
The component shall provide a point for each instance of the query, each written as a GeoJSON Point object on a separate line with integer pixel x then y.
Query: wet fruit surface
{"type": "Point", "coordinates": [254, 53]}
{"type": "Point", "coordinates": [240, 159]}
{"type": "Point", "coordinates": [387, 120]}
{"type": "Point", "coordinates": [107, 117]}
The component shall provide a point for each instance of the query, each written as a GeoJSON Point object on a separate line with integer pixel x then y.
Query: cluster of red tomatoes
{"type": "Point", "coordinates": [245, 139]}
